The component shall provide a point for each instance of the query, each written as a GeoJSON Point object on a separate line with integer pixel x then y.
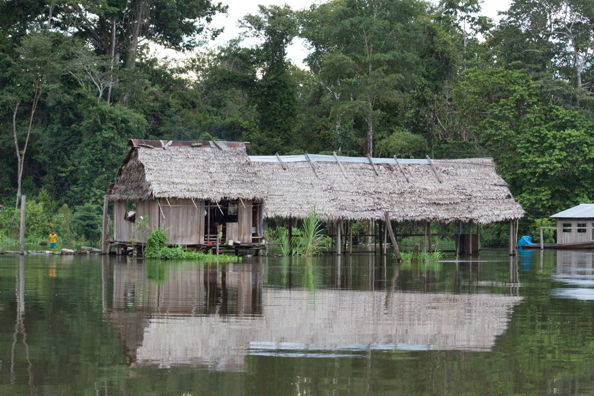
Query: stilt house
{"type": "Point", "coordinates": [575, 225]}
{"type": "Point", "coordinates": [194, 190]}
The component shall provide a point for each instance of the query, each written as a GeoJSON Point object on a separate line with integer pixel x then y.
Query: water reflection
{"type": "Point", "coordinates": [216, 315]}
{"type": "Point", "coordinates": [574, 268]}
{"type": "Point", "coordinates": [19, 326]}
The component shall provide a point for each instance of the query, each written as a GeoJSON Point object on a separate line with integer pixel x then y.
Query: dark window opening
{"type": "Point", "coordinates": [581, 228]}
{"type": "Point", "coordinates": [567, 227]}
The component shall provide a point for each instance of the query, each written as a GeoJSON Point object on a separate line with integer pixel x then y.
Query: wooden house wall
{"type": "Point", "coordinates": [149, 210]}
{"type": "Point", "coordinates": [183, 221]}
{"type": "Point", "coordinates": [123, 229]}
{"type": "Point", "coordinates": [244, 218]}
{"type": "Point", "coordinates": [574, 236]}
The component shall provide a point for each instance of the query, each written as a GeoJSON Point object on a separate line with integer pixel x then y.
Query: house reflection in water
{"type": "Point", "coordinates": [576, 270]}
{"type": "Point", "coordinates": [216, 315]}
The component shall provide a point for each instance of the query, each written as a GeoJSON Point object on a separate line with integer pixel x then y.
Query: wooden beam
{"type": "Point", "coordinates": [385, 239]}
{"type": "Point", "coordinates": [219, 206]}
{"type": "Point", "coordinates": [217, 145]}
{"type": "Point", "coordinates": [434, 169]}
{"type": "Point", "coordinates": [161, 210]}
{"type": "Point", "coordinates": [339, 164]}
{"type": "Point", "coordinates": [196, 206]}
{"type": "Point", "coordinates": [428, 236]}
{"type": "Point", "coordinates": [242, 204]}
{"type": "Point", "coordinates": [339, 237]}
{"type": "Point", "coordinates": [401, 169]}
{"type": "Point", "coordinates": [512, 236]}
{"type": "Point", "coordinates": [350, 237]}
{"type": "Point", "coordinates": [541, 239]}
{"type": "Point", "coordinates": [22, 224]}
{"type": "Point", "coordinates": [372, 165]}
{"type": "Point", "coordinates": [392, 237]}
{"type": "Point", "coordinates": [278, 157]}
{"type": "Point", "coordinates": [105, 227]}
{"type": "Point", "coordinates": [290, 236]}
{"type": "Point", "coordinates": [312, 164]}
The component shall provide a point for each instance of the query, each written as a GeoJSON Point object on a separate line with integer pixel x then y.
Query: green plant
{"type": "Point", "coordinates": [156, 247]}
{"type": "Point", "coordinates": [155, 243]}
{"type": "Point", "coordinates": [312, 237]}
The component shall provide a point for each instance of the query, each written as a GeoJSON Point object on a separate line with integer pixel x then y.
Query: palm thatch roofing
{"type": "Point", "coordinates": [357, 188]}
{"type": "Point", "coordinates": [337, 187]}
{"type": "Point", "coordinates": [181, 169]}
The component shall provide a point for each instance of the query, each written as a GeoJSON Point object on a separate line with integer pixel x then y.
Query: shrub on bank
{"type": "Point", "coordinates": [156, 247]}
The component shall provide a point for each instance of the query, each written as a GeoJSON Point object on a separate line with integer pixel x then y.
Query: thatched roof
{"type": "Point", "coordinates": [337, 187]}
{"type": "Point", "coordinates": [178, 169]}
{"type": "Point", "coordinates": [410, 190]}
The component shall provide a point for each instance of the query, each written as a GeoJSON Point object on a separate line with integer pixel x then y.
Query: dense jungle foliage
{"type": "Point", "coordinates": [384, 77]}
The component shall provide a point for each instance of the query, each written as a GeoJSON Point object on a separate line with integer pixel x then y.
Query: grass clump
{"type": "Point", "coordinates": [156, 248]}
{"type": "Point", "coordinates": [307, 240]}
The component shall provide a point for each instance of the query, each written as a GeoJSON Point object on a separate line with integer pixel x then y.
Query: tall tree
{"type": "Point", "coordinates": [35, 66]}
{"type": "Point", "coordinates": [370, 45]}
{"type": "Point", "coordinates": [275, 91]}
{"type": "Point", "coordinates": [563, 27]}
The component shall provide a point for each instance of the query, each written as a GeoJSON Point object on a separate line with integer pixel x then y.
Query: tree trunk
{"type": "Point", "coordinates": [369, 120]}
{"type": "Point", "coordinates": [135, 36]}
{"type": "Point", "coordinates": [578, 72]}
{"type": "Point", "coordinates": [112, 59]}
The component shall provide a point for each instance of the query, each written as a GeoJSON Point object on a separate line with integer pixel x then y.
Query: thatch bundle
{"type": "Point", "coordinates": [410, 190]}
{"type": "Point", "coordinates": [348, 188]}
{"type": "Point", "coordinates": [199, 170]}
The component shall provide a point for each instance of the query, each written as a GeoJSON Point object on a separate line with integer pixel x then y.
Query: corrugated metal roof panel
{"type": "Point", "coordinates": [581, 211]}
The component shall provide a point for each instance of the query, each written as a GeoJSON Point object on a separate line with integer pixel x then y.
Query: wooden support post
{"type": "Point", "coordinates": [512, 235]}
{"type": "Point", "coordinates": [374, 223]}
{"type": "Point", "coordinates": [393, 237]}
{"type": "Point", "coordinates": [207, 222]}
{"type": "Point", "coordinates": [470, 248]}
{"type": "Point", "coordinates": [384, 239]}
{"type": "Point", "coordinates": [478, 237]}
{"type": "Point", "coordinates": [218, 241]}
{"type": "Point", "coordinates": [350, 237]}
{"type": "Point", "coordinates": [290, 236]}
{"type": "Point", "coordinates": [339, 237]}
{"type": "Point", "coordinates": [105, 227]}
{"type": "Point", "coordinates": [22, 224]}
{"type": "Point", "coordinates": [458, 233]}
{"type": "Point", "coordinates": [541, 239]}
{"type": "Point", "coordinates": [428, 246]}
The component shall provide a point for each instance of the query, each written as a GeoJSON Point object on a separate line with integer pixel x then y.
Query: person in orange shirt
{"type": "Point", "coordinates": [53, 239]}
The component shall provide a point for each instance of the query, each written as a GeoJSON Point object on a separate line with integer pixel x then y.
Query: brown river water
{"type": "Point", "coordinates": [357, 324]}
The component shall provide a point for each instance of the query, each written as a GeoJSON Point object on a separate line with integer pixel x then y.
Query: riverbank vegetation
{"type": "Point", "coordinates": [157, 248]}
{"type": "Point", "coordinates": [382, 78]}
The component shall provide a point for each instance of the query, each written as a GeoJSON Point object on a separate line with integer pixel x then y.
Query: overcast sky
{"type": "Point", "coordinates": [297, 51]}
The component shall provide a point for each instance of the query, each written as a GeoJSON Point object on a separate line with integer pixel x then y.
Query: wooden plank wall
{"type": "Point", "coordinates": [574, 236]}
{"type": "Point", "coordinates": [147, 209]}
{"type": "Point", "coordinates": [123, 229]}
{"type": "Point", "coordinates": [244, 218]}
{"type": "Point", "coordinates": [183, 222]}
